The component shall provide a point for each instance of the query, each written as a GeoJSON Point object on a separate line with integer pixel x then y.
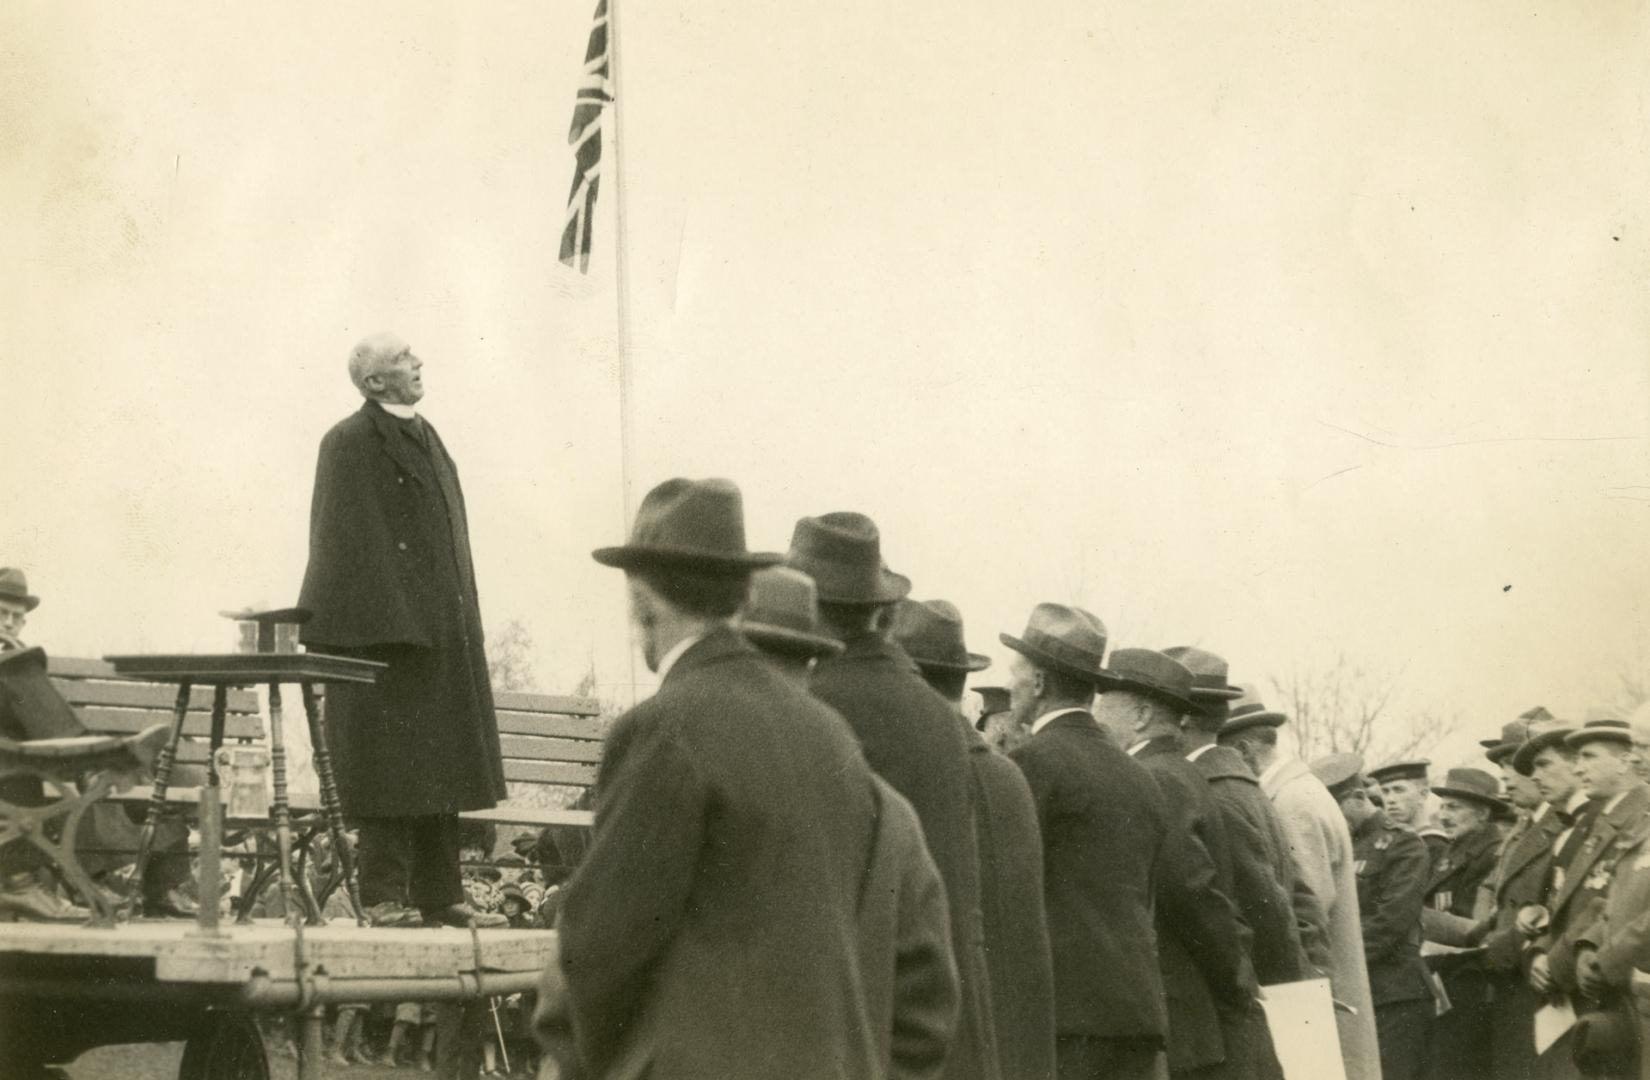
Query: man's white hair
{"type": "Point", "coordinates": [370, 355]}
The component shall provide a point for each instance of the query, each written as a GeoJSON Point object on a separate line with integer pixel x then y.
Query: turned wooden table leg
{"type": "Point", "coordinates": [157, 798]}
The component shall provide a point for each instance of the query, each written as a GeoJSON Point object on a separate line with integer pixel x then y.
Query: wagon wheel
{"type": "Point", "coordinates": [230, 1047]}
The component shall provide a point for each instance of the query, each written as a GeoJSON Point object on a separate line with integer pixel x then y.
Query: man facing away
{"type": "Point", "coordinates": [910, 737]}
{"type": "Point", "coordinates": [1322, 846]}
{"type": "Point", "coordinates": [1104, 823]}
{"type": "Point", "coordinates": [1392, 872]}
{"type": "Point", "coordinates": [390, 579]}
{"type": "Point", "coordinates": [712, 930]}
{"type": "Point", "coordinates": [1010, 847]}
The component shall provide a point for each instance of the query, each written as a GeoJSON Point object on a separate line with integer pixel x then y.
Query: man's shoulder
{"type": "Point", "coordinates": [355, 428]}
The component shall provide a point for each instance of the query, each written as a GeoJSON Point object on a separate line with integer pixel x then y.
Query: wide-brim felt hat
{"type": "Point", "coordinates": [1474, 785]}
{"type": "Point", "coordinates": [931, 633]}
{"type": "Point", "coordinates": [842, 552]}
{"type": "Point", "coordinates": [1542, 737]}
{"type": "Point", "coordinates": [696, 525]}
{"type": "Point", "coordinates": [1150, 674]}
{"type": "Point", "coordinates": [1210, 685]}
{"type": "Point", "coordinates": [1249, 711]}
{"type": "Point", "coordinates": [1064, 639]}
{"type": "Point", "coordinates": [14, 586]}
{"type": "Point", "coordinates": [1513, 731]}
{"type": "Point", "coordinates": [782, 614]}
{"type": "Point", "coordinates": [1611, 730]}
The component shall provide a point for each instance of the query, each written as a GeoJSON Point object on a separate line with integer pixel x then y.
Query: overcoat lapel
{"type": "Point", "coordinates": [393, 439]}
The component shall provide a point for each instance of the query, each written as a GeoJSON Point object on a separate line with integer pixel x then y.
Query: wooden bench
{"type": "Point", "coordinates": [546, 739]}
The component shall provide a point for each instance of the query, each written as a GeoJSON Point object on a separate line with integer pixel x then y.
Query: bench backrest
{"type": "Point", "coordinates": [545, 738]}
{"type": "Point", "coordinates": [549, 738]}
{"type": "Point", "coordinates": [111, 705]}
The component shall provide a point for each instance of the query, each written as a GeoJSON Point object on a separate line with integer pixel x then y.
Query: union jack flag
{"type": "Point", "coordinates": [585, 136]}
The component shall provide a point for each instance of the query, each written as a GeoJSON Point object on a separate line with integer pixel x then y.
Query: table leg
{"type": "Point", "coordinates": [157, 798]}
{"type": "Point", "coordinates": [331, 804]}
{"type": "Point", "coordinates": [209, 884]}
{"type": "Point", "coordinates": [281, 811]}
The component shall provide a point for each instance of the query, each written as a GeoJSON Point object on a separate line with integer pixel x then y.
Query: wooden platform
{"type": "Point", "coordinates": [341, 950]}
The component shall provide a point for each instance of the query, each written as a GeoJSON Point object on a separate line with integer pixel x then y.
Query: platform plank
{"type": "Point", "coordinates": [341, 949]}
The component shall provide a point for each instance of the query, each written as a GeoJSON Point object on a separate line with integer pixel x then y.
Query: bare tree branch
{"type": "Point", "coordinates": [1343, 708]}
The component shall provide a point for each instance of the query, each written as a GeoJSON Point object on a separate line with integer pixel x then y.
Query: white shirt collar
{"type": "Point", "coordinates": [405, 412]}
{"type": "Point", "coordinates": [668, 660]}
{"type": "Point", "coordinates": [1200, 751]}
{"type": "Point", "coordinates": [1577, 801]}
{"type": "Point", "coordinates": [1137, 746]}
{"type": "Point", "coordinates": [1043, 720]}
{"type": "Point", "coordinates": [1614, 802]}
{"type": "Point", "coordinates": [1540, 813]}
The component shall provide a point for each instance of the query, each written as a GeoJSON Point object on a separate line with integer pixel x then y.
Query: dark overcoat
{"type": "Point", "coordinates": [1103, 823]}
{"type": "Point", "coordinates": [912, 739]}
{"type": "Point", "coordinates": [1016, 925]}
{"type": "Point", "coordinates": [1520, 878]}
{"type": "Point", "coordinates": [390, 579]}
{"type": "Point", "coordinates": [1579, 899]}
{"type": "Point", "coordinates": [1203, 945]}
{"type": "Point", "coordinates": [1391, 862]}
{"type": "Point", "coordinates": [711, 932]}
{"type": "Point", "coordinates": [1459, 1046]}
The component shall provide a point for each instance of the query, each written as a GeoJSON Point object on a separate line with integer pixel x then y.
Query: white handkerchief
{"type": "Point", "coordinates": [1551, 1022]}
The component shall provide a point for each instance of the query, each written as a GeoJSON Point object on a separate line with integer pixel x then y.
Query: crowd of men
{"type": "Point", "coordinates": [807, 863]}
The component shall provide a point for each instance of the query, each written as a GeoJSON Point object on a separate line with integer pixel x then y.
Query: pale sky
{"type": "Point", "coordinates": [1285, 331]}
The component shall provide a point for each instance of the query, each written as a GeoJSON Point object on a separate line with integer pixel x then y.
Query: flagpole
{"type": "Point", "coordinates": [621, 276]}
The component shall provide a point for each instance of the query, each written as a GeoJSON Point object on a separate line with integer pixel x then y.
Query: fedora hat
{"type": "Point", "coordinates": [842, 552]}
{"type": "Point", "coordinates": [1211, 688]}
{"type": "Point", "coordinates": [14, 586]}
{"type": "Point", "coordinates": [1065, 639]}
{"type": "Point", "coordinates": [1342, 773]}
{"type": "Point", "coordinates": [1474, 785]}
{"type": "Point", "coordinates": [1150, 674]}
{"type": "Point", "coordinates": [931, 633]}
{"type": "Point", "coordinates": [688, 525]}
{"type": "Point", "coordinates": [782, 614]}
{"type": "Point", "coordinates": [1249, 711]}
{"type": "Point", "coordinates": [1600, 728]}
{"type": "Point", "coordinates": [1542, 736]}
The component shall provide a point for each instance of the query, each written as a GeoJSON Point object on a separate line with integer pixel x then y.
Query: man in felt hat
{"type": "Point", "coordinates": [1391, 863]}
{"type": "Point", "coordinates": [910, 737]}
{"type": "Point", "coordinates": [390, 579]}
{"type": "Point", "coordinates": [1010, 849]}
{"type": "Point", "coordinates": [1267, 886]}
{"type": "Point", "coordinates": [914, 999]}
{"type": "Point", "coordinates": [1322, 845]}
{"type": "Point", "coordinates": [1215, 1026]}
{"type": "Point", "coordinates": [1460, 1038]}
{"type": "Point", "coordinates": [712, 930]}
{"type": "Point", "coordinates": [1104, 823]}
{"type": "Point", "coordinates": [15, 604]}
{"type": "Point", "coordinates": [995, 721]}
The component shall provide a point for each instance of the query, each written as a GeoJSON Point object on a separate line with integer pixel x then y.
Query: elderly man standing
{"type": "Point", "coordinates": [1104, 825]}
{"type": "Point", "coordinates": [390, 579]}
{"type": "Point", "coordinates": [1322, 846]}
{"type": "Point", "coordinates": [911, 737]}
{"type": "Point", "coordinates": [712, 930]}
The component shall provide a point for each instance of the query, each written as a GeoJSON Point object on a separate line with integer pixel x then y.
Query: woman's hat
{"type": "Point", "coordinates": [842, 552]}
{"type": "Point", "coordinates": [688, 525]}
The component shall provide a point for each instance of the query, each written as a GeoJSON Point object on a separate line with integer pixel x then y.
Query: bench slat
{"type": "Point", "coordinates": [519, 746]}
{"type": "Point", "coordinates": [546, 703]}
{"type": "Point", "coordinates": [544, 772]}
{"type": "Point", "coordinates": [135, 694]}
{"type": "Point", "coordinates": [550, 725]}
{"type": "Point", "coordinates": [130, 721]}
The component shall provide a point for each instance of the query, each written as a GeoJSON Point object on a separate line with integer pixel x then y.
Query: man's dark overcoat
{"type": "Point", "coordinates": [1103, 823]}
{"type": "Point", "coordinates": [1275, 900]}
{"type": "Point", "coordinates": [1520, 879]}
{"type": "Point", "coordinates": [390, 578]}
{"type": "Point", "coordinates": [1203, 945]}
{"type": "Point", "coordinates": [711, 932]}
{"type": "Point", "coordinates": [1016, 925]}
{"type": "Point", "coordinates": [912, 739]}
{"type": "Point", "coordinates": [1459, 1045]}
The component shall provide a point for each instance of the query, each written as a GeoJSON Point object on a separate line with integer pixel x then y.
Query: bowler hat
{"type": "Point", "coordinates": [1401, 770]}
{"type": "Point", "coordinates": [1211, 690]}
{"type": "Point", "coordinates": [842, 552]}
{"type": "Point", "coordinates": [1342, 774]}
{"type": "Point", "coordinates": [14, 586]}
{"type": "Point", "coordinates": [931, 633]}
{"type": "Point", "coordinates": [1474, 785]}
{"type": "Point", "coordinates": [1543, 736]}
{"type": "Point", "coordinates": [1150, 674]}
{"type": "Point", "coordinates": [689, 525]}
{"type": "Point", "coordinates": [1248, 711]}
{"type": "Point", "coordinates": [1064, 639]}
{"type": "Point", "coordinates": [782, 614]}
{"type": "Point", "coordinates": [1602, 729]}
